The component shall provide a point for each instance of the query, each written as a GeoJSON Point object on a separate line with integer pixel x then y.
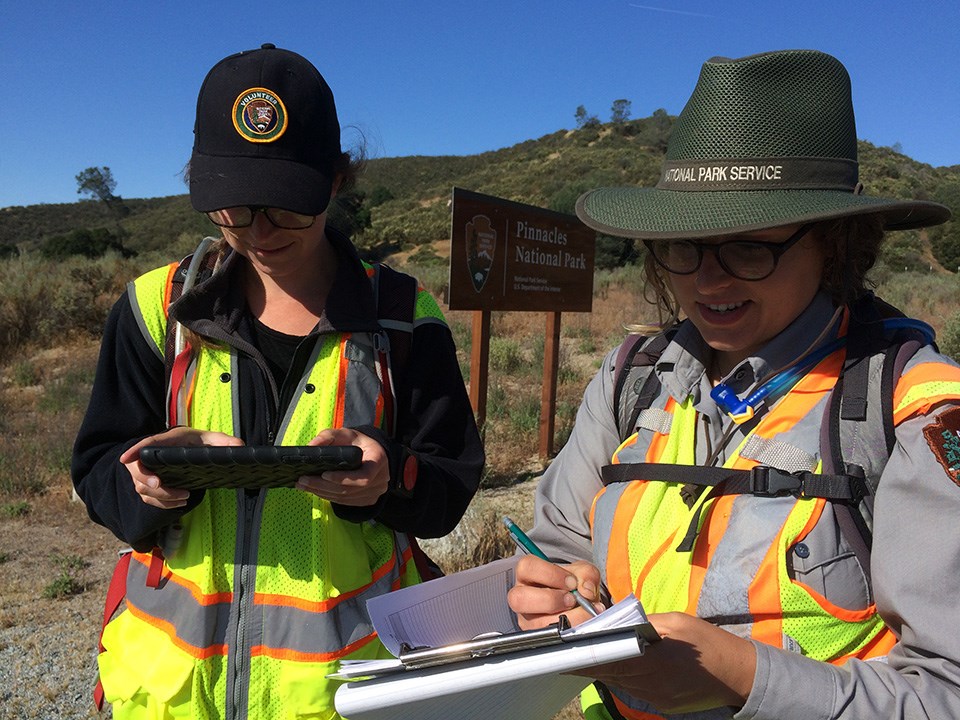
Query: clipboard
{"type": "Point", "coordinates": [499, 672]}
{"type": "Point", "coordinates": [535, 677]}
{"type": "Point", "coordinates": [490, 646]}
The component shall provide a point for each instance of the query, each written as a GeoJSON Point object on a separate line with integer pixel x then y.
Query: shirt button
{"type": "Point", "coordinates": [801, 550]}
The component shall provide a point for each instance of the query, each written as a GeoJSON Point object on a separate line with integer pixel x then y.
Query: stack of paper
{"type": "Point", "coordinates": [524, 681]}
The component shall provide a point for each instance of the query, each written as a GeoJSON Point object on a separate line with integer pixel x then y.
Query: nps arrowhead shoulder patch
{"type": "Point", "coordinates": [943, 437]}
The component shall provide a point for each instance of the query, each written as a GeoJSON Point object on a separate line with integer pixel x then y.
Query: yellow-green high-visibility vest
{"type": "Point", "coordinates": [258, 597]}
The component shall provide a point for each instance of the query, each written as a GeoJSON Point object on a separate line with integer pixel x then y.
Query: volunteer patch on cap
{"type": "Point", "coordinates": [943, 437]}
{"type": "Point", "coordinates": [259, 115]}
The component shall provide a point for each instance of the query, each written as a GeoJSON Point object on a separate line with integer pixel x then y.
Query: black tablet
{"type": "Point", "coordinates": [247, 466]}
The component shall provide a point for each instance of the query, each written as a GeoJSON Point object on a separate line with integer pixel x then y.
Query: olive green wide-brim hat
{"type": "Point", "coordinates": [764, 141]}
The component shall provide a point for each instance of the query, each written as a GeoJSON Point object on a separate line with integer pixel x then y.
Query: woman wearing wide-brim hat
{"type": "Point", "coordinates": [775, 469]}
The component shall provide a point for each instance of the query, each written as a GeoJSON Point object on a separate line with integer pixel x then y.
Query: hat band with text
{"type": "Point", "coordinates": [778, 173]}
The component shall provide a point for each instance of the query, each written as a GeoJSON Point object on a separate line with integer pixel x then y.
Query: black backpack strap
{"type": "Point", "coordinates": [635, 384]}
{"type": "Point", "coordinates": [858, 434]}
{"type": "Point", "coordinates": [396, 297]}
{"type": "Point", "coordinates": [761, 481]}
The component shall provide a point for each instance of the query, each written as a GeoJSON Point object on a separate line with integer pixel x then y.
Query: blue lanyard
{"type": "Point", "coordinates": [743, 410]}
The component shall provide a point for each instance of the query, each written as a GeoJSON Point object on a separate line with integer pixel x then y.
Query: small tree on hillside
{"type": "Point", "coordinates": [620, 111]}
{"type": "Point", "coordinates": [583, 119]}
{"type": "Point", "coordinates": [98, 184]}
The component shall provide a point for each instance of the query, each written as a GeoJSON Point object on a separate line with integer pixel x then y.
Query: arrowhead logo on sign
{"type": "Point", "coordinates": [481, 244]}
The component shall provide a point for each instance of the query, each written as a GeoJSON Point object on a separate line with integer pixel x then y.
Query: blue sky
{"type": "Point", "coordinates": [95, 83]}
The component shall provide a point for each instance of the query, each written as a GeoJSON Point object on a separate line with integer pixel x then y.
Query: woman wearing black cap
{"type": "Point", "coordinates": [240, 601]}
{"type": "Point", "coordinates": [775, 476]}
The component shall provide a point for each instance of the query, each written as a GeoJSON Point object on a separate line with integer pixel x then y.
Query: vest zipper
{"type": "Point", "coordinates": [243, 594]}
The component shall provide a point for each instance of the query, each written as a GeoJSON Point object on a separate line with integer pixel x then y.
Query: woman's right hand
{"type": "Point", "coordinates": [147, 484]}
{"type": "Point", "coordinates": [542, 592]}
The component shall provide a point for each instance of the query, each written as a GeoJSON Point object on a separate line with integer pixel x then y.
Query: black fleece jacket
{"type": "Point", "coordinates": [435, 421]}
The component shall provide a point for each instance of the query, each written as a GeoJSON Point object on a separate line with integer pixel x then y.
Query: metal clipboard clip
{"type": "Point", "coordinates": [483, 646]}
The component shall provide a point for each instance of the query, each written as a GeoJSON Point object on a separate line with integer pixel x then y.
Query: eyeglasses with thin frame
{"type": "Point", "coordinates": [743, 259]}
{"type": "Point", "coordinates": [242, 216]}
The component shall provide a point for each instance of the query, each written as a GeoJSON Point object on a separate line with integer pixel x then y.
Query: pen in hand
{"type": "Point", "coordinates": [528, 546]}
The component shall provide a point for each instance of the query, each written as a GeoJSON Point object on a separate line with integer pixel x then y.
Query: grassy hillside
{"type": "Point", "coordinates": [401, 203]}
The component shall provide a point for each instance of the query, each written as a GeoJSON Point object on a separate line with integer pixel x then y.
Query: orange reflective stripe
{"type": "Point", "coordinates": [200, 653]}
{"type": "Point", "coordinates": [378, 411]}
{"type": "Point", "coordinates": [923, 387]}
{"type": "Point", "coordinates": [799, 401]}
{"type": "Point", "coordinates": [619, 580]}
{"type": "Point", "coordinates": [630, 713]}
{"type": "Point", "coordinates": [168, 287]}
{"type": "Point", "coordinates": [285, 654]}
{"type": "Point", "coordinates": [764, 592]}
{"type": "Point", "coordinates": [342, 379]}
{"type": "Point", "coordinates": [879, 646]}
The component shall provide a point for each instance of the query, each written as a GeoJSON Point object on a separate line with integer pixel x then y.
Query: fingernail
{"type": "Point", "coordinates": [589, 589]}
{"type": "Point", "coordinates": [153, 482]}
{"type": "Point", "coordinates": [571, 582]}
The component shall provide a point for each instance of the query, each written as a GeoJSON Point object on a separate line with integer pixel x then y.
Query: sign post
{"type": "Point", "coordinates": [509, 256]}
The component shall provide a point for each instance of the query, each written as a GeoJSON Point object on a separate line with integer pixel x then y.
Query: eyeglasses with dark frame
{"type": "Point", "coordinates": [242, 216]}
{"type": "Point", "coordinates": [743, 259]}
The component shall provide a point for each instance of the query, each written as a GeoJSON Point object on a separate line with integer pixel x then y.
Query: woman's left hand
{"type": "Point", "coordinates": [695, 667]}
{"type": "Point", "coordinates": [361, 487]}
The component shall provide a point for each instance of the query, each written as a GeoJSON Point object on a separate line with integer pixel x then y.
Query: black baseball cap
{"type": "Point", "coordinates": [266, 134]}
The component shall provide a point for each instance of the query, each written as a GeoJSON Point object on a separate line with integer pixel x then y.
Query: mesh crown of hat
{"type": "Point", "coordinates": [784, 104]}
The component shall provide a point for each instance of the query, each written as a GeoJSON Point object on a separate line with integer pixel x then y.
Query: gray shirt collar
{"type": "Point", "coordinates": [682, 367]}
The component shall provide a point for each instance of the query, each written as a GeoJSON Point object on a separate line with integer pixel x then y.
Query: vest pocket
{"type": "Point", "coordinates": [144, 674]}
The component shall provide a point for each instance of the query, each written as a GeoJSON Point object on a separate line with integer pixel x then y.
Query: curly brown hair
{"type": "Point", "coordinates": [851, 247]}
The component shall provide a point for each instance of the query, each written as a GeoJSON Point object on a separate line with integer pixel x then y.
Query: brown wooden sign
{"type": "Point", "coordinates": [509, 256]}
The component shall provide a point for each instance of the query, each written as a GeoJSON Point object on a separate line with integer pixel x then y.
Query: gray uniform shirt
{"type": "Point", "coordinates": [916, 549]}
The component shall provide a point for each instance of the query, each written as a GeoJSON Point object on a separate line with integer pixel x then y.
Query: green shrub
{"type": "Point", "coordinates": [505, 355]}
{"type": "Point", "coordinates": [63, 586]}
{"type": "Point", "coordinates": [15, 509]}
{"type": "Point", "coordinates": [25, 373]}
{"type": "Point", "coordinates": [68, 581]}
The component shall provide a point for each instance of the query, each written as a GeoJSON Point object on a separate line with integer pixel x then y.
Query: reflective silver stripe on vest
{"type": "Point", "coordinates": [741, 550]}
{"type": "Point", "coordinates": [778, 454]}
{"type": "Point", "coordinates": [141, 323]}
{"type": "Point", "coordinates": [303, 631]}
{"type": "Point", "coordinates": [200, 626]}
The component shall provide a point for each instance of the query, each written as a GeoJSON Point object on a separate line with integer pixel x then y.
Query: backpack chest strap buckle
{"type": "Point", "coordinates": [766, 481]}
